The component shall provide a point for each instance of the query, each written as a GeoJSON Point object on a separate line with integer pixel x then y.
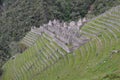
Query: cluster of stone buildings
{"type": "Point", "coordinates": [66, 35]}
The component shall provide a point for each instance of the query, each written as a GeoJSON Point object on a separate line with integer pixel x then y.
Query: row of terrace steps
{"type": "Point", "coordinates": [46, 56]}
{"type": "Point", "coordinates": [29, 39]}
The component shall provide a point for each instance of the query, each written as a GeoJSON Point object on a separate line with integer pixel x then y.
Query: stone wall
{"type": "Point", "coordinates": [63, 33]}
{"type": "Point", "coordinates": [61, 44]}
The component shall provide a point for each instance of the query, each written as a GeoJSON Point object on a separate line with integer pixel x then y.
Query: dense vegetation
{"type": "Point", "coordinates": [17, 17]}
{"type": "Point", "coordinates": [100, 6]}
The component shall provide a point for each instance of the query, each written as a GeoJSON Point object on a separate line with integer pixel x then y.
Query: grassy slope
{"type": "Point", "coordinates": [93, 61]}
{"type": "Point", "coordinates": [29, 39]}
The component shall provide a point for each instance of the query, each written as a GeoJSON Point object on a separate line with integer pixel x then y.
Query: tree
{"type": "Point", "coordinates": [1, 71]}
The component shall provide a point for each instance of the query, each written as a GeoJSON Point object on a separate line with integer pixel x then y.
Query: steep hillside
{"type": "Point", "coordinates": [98, 59]}
{"type": "Point", "coordinates": [17, 17]}
{"type": "Point", "coordinates": [100, 6]}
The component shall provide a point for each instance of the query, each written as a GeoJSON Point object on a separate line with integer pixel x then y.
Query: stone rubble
{"type": "Point", "coordinates": [66, 35]}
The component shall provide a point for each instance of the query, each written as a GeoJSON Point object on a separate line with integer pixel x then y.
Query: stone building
{"type": "Point", "coordinates": [66, 35]}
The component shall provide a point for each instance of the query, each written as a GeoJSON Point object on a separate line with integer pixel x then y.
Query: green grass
{"type": "Point", "coordinates": [92, 61]}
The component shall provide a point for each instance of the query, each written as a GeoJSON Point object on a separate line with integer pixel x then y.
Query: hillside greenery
{"type": "Point", "coordinates": [17, 17]}
{"type": "Point", "coordinates": [98, 59]}
{"type": "Point", "coordinates": [100, 6]}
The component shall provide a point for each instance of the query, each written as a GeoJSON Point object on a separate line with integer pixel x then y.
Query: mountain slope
{"type": "Point", "coordinates": [96, 60]}
{"type": "Point", "coordinates": [17, 16]}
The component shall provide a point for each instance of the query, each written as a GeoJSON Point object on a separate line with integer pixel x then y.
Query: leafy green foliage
{"type": "Point", "coordinates": [72, 9]}
{"type": "Point", "coordinates": [1, 71]}
{"type": "Point", "coordinates": [100, 6]}
{"type": "Point", "coordinates": [111, 77]}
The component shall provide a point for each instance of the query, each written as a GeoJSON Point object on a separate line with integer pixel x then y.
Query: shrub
{"type": "Point", "coordinates": [111, 77]}
{"type": "Point", "coordinates": [21, 47]}
{"type": "Point", "coordinates": [1, 71]}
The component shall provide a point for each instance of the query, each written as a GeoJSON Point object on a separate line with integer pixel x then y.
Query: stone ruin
{"type": "Point", "coordinates": [66, 35]}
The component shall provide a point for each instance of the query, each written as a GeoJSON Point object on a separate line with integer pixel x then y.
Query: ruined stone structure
{"type": "Point", "coordinates": [66, 35]}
